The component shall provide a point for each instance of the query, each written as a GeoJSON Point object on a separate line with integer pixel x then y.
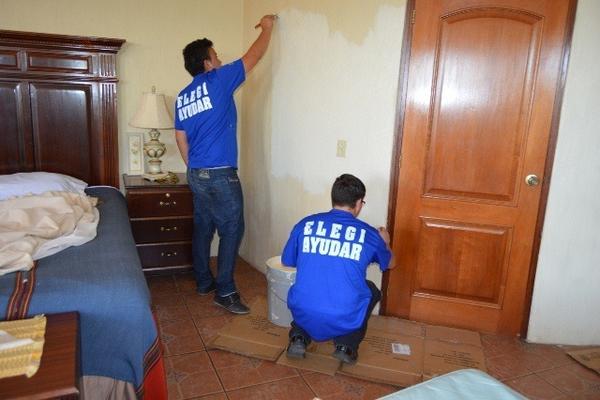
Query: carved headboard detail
{"type": "Point", "coordinates": [58, 98]}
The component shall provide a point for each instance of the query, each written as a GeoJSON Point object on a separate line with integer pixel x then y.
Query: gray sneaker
{"type": "Point", "coordinates": [232, 303]}
{"type": "Point", "coordinates": [296, 348]}
{"type": "Point", "coordinates": [345, 354]}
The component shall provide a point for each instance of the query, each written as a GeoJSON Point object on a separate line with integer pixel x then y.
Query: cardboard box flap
{"type": "Point", "coordinates": [443, 357]}
{"type": "Point", "coordinates": [588, 357]}
{"type": "Point", "coordinates": [381, 375]}
{"type": "Point", "coordinates": [318, 359]}
{"type": "Point", "coordinates": [396, 325]}
{"type": "Point", "coordinates": [256, 350]}
{"type": "Point", "coordinates": [252, 334]}
{"type": "Point", "coordinates": [453, 335]}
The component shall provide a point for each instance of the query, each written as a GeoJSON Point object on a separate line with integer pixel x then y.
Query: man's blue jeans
{"type": "Point", "coordinates": [218, 205]}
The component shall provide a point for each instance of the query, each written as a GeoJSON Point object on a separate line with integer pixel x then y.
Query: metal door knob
{"type": "Point", "coordinates": [532, 180]}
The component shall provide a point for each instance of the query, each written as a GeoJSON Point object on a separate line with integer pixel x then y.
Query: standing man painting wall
{"type": "Point", "coordinates": [206, 126]}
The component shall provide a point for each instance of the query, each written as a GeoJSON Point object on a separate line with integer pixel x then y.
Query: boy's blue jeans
{"type": "Point", "coordinates": [218, 205]}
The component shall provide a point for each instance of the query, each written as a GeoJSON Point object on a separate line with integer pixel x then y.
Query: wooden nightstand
{"type": "Point", "coordinates": [161, 216]}
{"type": "Point", "coordinates": [58, 376]}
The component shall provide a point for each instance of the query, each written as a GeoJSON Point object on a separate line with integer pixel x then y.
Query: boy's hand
{"type": "Point", "coordinates": [266, 22]}
{"type": "Point", "coordinates": [384, 234]}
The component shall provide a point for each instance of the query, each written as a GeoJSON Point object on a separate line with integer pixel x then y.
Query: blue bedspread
{"type": "Point", "coordinates": [103, 280]}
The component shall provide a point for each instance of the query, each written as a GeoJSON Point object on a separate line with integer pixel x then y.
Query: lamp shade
{"type": "Point", "coordinates": [152, 113]}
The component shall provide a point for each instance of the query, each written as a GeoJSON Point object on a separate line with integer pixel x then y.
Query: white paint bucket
{"type": "Point", "coordinates": [279, 280]}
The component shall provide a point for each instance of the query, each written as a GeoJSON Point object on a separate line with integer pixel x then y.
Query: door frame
{"type": "Point", "coordinates": [396, 161]}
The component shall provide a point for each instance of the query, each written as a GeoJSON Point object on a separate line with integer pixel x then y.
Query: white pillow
{"type": "Point", "coordinates": [24, 183]}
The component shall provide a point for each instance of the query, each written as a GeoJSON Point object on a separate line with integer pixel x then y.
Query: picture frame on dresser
{"type": "Point", "coordinates": [162, 222]}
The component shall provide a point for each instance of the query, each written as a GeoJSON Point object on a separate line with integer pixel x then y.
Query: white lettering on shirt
{"type": "Point", "coordinates": [350, 233]}
{"type": "Point", "coordinates": [327, 241]}
{"type": "Point", "coordinates": [308, 227]}
{"type": "Point", "coordinates": [194, 102]}
{"type": "Point", "coordinates": [335, 231]}
{"type": "Point", "coordinates": [320, 230]}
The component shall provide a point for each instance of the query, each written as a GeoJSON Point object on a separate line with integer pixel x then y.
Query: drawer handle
{"type": "Point", "coordinates": [168, 253]}
{"type": "Point", "coordinates": [167, 229]}
{"type": "Point", "coordinates": [167, 203]}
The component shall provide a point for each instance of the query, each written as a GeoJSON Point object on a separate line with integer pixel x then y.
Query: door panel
{"type": "Point", "coordinates": [462, 262]}
{"type": "Point", "coordinates": [484, 66]}
{"type": "Point", "coordinates": [479, 103]}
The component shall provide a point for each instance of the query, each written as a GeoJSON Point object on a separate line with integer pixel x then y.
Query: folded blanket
{"type": "Point", "coordinates": [36, 226]}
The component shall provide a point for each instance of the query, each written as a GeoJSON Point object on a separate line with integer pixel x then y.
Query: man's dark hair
{"type": "Point", "coordinates": [346, 190]}
{"type": "Point", "coordinates": [194, 55]}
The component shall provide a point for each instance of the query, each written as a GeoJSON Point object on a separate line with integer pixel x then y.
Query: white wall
{"type": "Point", "coordinates": [566, 296]}
{"type": "Point", "coordinates": [331, 73]}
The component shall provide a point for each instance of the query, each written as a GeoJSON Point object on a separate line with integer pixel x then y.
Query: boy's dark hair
{"type": "Point", "coordinates": [346, 190]}
{"type": "Point", "coordinates": [194, 55]}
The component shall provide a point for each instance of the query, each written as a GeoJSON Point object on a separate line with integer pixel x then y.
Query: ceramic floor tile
{"type": "Point", "coordinates": [285, 389]}
{"type": "Point", "coordinates": [534, 388]}
{"type": "Point", "coordinates": [532, 361]}
{"type": "Point", "coordinates": [573, 379]}
{"type": "Point", "coordinates": [208, 327]}
{"type": "Point", "coordinates": [497, 345]}
{"type": "Point", "coordinates": [249, 294]}
{"type": "Point", "coordinates": [506, 366]}
{"type": "Point", "coordinates": [251, 280]}
{"type": "Point", "coordinates": [161, 284]}
{"type": "Point", "coordinates": [167, 300]}
{"type": "Point", "coordinates": [217, 396]}
{"type": "Point", "coordinates": [180, 337]}
{"type": "Point", "coordinates": [341, 387]}
{"type": "Point", "coordinates": [172, 313]}
{"type": "Point", "coordinates": [203, 306]}
{"type": "Point", "coordinates": [191, 375]}
{"type": "Point", "coordinates": [237, 371]}
{"type": "Point", "coordinates": [554, 354]}
{"type": "Point", "coordinates": [185, 282]}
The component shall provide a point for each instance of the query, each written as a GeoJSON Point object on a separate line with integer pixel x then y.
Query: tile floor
{"type": "Point", "coordinates": [188, 321]}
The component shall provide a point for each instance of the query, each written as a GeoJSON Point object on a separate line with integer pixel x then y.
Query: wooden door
{"type": "Point", "coordinates": [483, 76]}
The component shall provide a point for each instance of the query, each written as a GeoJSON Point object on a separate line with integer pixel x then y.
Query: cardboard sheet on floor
{"type": "Point", "coordinates": [588, 357]}
{"type": "Point", "coordinates": [451, 349]}
{"type": "Point", "coordinates": [318, 359]}
{"type": "Point", "coordinates": [394, 351]}
{"type": "Point", "coordinates": [252, 334]}
{"type": "Point", "coordinates": [388, 357]}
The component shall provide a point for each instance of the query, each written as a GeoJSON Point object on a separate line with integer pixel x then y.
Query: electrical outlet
{"type": "Point", "coordinates": [341, 148]}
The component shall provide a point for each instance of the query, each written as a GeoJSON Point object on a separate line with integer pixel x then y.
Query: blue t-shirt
{"type": "Point", "coordinates": [331, 252]}
{"type": "Point", "coordinates": [206, 111]}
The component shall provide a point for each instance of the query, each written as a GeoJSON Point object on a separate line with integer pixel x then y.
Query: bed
{"type": "Point", "coordinates": [59, 114]}
{"type": "Point", "coordinates": [464, 384]}
{"type": "Point", "coordinates": [104, 282]}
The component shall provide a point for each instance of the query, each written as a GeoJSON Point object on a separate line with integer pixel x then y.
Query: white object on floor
{"type": "Point", "coordinates": [465, 384]}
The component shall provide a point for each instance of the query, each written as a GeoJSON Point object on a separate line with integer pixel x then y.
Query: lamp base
{"type": "Point", "coordinates": [155, 177]}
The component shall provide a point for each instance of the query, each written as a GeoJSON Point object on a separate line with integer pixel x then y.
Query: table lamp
{"type": "Point", "coordinates": [153, 114]}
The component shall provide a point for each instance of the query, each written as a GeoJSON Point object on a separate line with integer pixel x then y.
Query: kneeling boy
{"type": "Point", "coordinates": [331, 298]}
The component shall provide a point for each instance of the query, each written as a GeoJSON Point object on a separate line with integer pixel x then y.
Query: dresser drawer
{"type": "Point", "coordinates": [162, 229]}
{"type": "Point", "coordinates": [165, 254]}
{"type": "Point", "coordinates": [159, 204]}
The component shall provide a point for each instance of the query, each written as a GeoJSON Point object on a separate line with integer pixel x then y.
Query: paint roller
{"type": "Point", "coordinates": [275, 16]}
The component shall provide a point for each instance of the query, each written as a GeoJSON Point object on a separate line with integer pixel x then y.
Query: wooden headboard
{"type": "Point", "coordinates": [58, 105]}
